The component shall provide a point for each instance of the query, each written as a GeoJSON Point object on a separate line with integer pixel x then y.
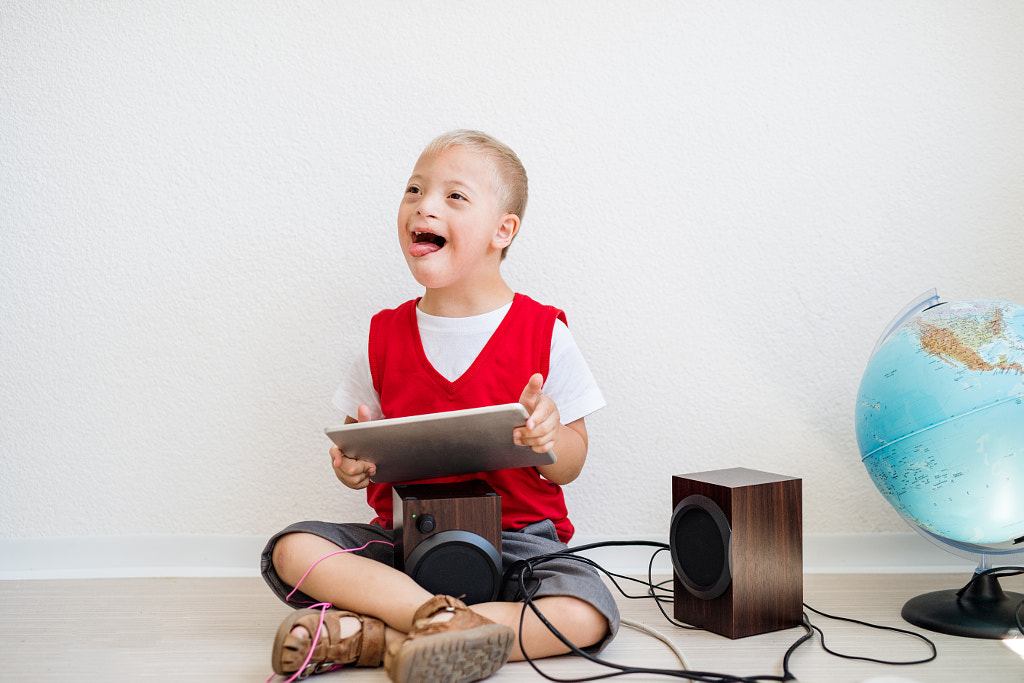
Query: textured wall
{"type": "Point", "coordinates": [730, 200]}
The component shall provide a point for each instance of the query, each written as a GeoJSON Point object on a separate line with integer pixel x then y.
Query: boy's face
{"type": "Point", "coordinates": [450, 226]}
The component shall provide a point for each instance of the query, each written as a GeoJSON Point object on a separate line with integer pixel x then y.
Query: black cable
{"type": "Point", "coordinates": [522, 570]}
{"type": "Point", "coordinates": [879, 627]}
{"type": "Point", "coordinates": [657, 601]}
{"type": "Point", "coordinates": [999, 573]}
{"type": "Point", "coordinates": [787, 675]}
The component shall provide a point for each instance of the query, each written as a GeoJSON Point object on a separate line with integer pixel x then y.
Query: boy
{"type": "Point", "coordinates": [469, 341]}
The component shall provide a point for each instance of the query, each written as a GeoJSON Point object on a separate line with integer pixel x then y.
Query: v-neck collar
{"type": "Point", "coordinates": [453, 386]}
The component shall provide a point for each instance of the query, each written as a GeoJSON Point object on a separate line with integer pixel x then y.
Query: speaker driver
{"type": "Point", "coordinates": [457, 562]}
{"type": "Point", "coordinates": [699, 537]}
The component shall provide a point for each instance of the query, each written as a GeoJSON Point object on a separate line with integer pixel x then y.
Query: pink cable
{"type": "Point", "coordinates": [336, 552]}
{"type": "Point", "coordinates": [324, 606]}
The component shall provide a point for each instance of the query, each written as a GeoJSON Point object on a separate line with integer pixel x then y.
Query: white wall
{"type": "Point", "coordinates": [730, 200]}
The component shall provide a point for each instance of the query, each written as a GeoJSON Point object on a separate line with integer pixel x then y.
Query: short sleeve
{"type": "Point", "coordinates": [357, 389]}
{"type": "Point", "coordinates": [570, 384]}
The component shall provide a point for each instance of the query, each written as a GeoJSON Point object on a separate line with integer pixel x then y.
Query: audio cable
{"type": "Point", "coordinates": [522, 573]}
{"type": "Point", "coordinates": [999, 573]}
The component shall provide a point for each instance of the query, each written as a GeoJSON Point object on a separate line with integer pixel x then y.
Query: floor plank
{"type": "Point", "coordinates": [220, 629]}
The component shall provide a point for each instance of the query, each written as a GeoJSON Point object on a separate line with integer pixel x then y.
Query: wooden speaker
{"type": "Point", "coordinates": [448, 538]}
{"type": "Point", "coordinates": [737, 552]}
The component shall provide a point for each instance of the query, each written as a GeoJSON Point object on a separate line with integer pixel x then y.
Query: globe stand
{"type": "Point", "coordinates": [979, 610]}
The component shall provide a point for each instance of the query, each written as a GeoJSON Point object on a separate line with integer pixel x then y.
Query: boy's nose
{"type": "Point", "coordinates": [427, 207]}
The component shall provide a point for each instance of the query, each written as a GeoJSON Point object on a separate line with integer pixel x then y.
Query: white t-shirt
{"type": "Point", "coordinates": [452, 344]}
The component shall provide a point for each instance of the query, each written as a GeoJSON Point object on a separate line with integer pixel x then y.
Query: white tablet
{"type": "Point", "coordinates": [440, 444]}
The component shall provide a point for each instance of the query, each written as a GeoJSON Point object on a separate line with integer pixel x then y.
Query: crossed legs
{"type": "Point", "coordinates": [365, 586]}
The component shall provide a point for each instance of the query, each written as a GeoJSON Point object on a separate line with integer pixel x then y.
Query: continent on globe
{"type": "Point", "coordinates": [964, 335]}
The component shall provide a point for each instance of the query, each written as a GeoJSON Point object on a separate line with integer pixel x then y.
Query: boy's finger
{"type": "Point", "coordinates": [532, 391]}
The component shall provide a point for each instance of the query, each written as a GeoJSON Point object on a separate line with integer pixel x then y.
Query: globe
{"type": "Point", "coordinates": [940, 423]}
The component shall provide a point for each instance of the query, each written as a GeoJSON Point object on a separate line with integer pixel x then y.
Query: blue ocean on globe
{"type": "Point", "coordinates": [940, 422]}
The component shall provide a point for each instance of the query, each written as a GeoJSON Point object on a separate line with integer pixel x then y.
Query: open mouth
{"type": "Point", "coordinates": [428, 238]}
{"type": "Point", "coordinates": [424, 243]}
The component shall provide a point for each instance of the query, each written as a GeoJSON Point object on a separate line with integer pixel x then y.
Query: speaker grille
{"type": "Point", "coordinates": [699, 540]}
{"type": "Point", "coordinates": [457, 563]}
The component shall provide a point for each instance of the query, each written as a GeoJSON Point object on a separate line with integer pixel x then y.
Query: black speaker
{"type": "Point", "coordinates": [737, 551]}
{"type": "Point", "coordinates": [448, 538]}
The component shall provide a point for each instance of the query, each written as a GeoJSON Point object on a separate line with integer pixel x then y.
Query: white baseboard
{"type": "Point", "coordinates": [239, 556]}
{"type": "Point", "coordinates": [109, 557]}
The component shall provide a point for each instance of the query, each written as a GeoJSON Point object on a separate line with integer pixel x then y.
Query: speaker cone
{"type": "Point", "coordinates": [699, 539]}
{"type": "Point", "coordinates": [456, 563]}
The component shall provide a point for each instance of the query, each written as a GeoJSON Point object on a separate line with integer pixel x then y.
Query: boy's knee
{"type": "Point", "coordinates": [280, 554]}
{"type": "Point", "coordinates": [286, 549]}
{"type": "Point", "coordinates": [585, 622]}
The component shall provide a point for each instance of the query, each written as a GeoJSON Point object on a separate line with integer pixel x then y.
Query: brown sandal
{"type": "Point", "coordinates": [467, 647]}
{"type": "Point", "coordinates": [365, 647]}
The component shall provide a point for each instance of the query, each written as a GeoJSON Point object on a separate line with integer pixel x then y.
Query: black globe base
{"type": "Point", "coordinates": [983, 610]}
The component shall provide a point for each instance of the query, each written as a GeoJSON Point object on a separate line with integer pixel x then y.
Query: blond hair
{"type": "Point", "coordinates": [508, 176]}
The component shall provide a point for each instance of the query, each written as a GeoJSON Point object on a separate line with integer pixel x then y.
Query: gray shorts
{"type": "Point", "coordinates": [560, 576]}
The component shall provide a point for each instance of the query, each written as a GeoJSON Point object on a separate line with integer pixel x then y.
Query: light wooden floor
{"type": "Point", "coordinates": [221, 630]}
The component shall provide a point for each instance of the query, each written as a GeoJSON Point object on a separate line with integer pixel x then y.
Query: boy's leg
{"type": "Point", "coordinates": [347, 580]}
{"type": "Point", "coordinates": [580, 622]}
{"type": "Point", "coordinates": [570, 594]}
{"type": "Point", "coordinates": [472, 647]}
{"type": "Point", "coordinates": [330, 581]}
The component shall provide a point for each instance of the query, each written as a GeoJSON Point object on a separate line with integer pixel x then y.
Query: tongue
{"type": "Point", "coordinates": [418, 249]}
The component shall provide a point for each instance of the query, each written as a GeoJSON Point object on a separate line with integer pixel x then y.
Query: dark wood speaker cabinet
{"type": "Point", "coordinates": [763, 546]}
{"type": "Point", "coordinates": [423, 510]}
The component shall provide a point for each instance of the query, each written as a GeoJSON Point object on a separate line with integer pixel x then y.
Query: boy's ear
{"type": "Point", "coordinates": [506, 231]}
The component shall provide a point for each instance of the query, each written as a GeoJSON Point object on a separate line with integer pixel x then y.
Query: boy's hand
{"type": "Point", "coordinates": [353, 473]}
{"type": "Point", "coordinates": [543, 425]}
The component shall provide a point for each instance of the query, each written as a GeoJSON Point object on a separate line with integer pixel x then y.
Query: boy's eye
{"type": "Point", "coordinates": [456, 195]}
{"type": "Point", "coordinates": [412, 189]}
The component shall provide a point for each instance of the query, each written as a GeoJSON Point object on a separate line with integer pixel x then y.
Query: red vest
{"type": "Point", "coordinates": [409, 385]}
